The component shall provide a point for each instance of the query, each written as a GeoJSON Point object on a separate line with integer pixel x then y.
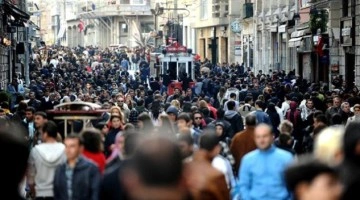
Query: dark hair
{"type": "Point", "coordinates": [12, 138]}
{"type": "Point", "coordinates": [318, 129]}
{"type": "Point", "coordinates": [158, 162]}
{"type": "Point", "coordinates": [231, 105]}
{"type": "Point", "coordinates": [260, 104]}
{"type": "Point", "coordinates": [321, 118]}
{"type": "Point", "coordinates": [220, 113]}
{"type": "Point", "coordinates": [250, 120]}
{"type": "Point", "coordinates": [186, 138]}
{"type": "Point", "coordinates": [140, 102]}
{"type": "Point", "coordinates": [209, 140]}
{"type": "Point", "coordinates": [336, 119]}
{"type": "Point", "coordinates": [92, 140]}
{"type": "Point", "coordinates": [75, 136]}
{"type": "Point", "coordinates": [51, 129]}
{"type": "Point", "coordinates": [184, 116]}
{"type": "Point", "coordinates": [248, 99]}
{"type": "Point", "coordinates": [42, 114]}
{"type": "Point", "coordinates": [30, 109]}
{"type": "Point", "coordinates": [232, 95]}
{"type": "Point", "coordinates": [131, 140]}
{"type": "Point", "coordinates": [284, 138]}
{"type": "Point", "coordinates": [146, 120]}
{"type": "Point", "coordinates": [205, 111]}
{"type": "Point", "coordinates": [351, 140]}
{"type": "Point", "coordinates": [309, 168]}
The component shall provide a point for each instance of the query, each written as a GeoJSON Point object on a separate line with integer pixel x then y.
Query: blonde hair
{"type": "Point", "coordinates": [175, 103]}
{"type": "Point", "coordinates": [203, 104]}
{"type": "Point", "coordinates": [286, 127]}
{"type": "Point", "coordinates": [328, 145]}
{"type": "Point", "coordinates": [121, 113]}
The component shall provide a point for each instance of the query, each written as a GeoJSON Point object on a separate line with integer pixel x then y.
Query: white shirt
{"type": "Point", "coordinates": [222, 164]}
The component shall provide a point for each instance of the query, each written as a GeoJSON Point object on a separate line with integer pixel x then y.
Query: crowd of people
{"type": "Point", "coordinates": [231, 134]}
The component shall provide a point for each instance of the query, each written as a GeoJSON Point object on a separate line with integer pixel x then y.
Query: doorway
{"type": "Point", "coordinates": [349, 69]}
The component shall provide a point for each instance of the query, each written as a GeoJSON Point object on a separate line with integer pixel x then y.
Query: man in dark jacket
{"type": "Point", "coordinates": [78, 178]}
{"type": "Point", "coordinates": [234, 118]}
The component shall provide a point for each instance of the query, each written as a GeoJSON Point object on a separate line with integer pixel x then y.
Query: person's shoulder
{"type": "Point", "coordinates": [283, 153]}
{"type": "Point", "coordinates": [251, 155]}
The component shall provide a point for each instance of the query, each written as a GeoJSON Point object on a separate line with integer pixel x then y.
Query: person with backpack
{"type": "Point", "coordinates": [247, 108]}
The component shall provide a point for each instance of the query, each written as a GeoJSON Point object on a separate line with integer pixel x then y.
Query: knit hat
{"type": "Point", "coordinates": [173, 110]}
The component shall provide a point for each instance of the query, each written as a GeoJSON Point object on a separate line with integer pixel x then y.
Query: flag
{"type": "Point", "coordinates": [81, 25]}
{"type": "Point", "coordinates": [319, 48]}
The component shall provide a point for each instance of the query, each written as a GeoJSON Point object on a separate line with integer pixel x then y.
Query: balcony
{"type": "Point", "coordinates": [248, 10]}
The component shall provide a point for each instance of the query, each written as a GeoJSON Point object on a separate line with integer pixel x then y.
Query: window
{"type": "Point", "coordinates": [124, 1]}
{"type": "Point", "coordinates": [203, 9]}
{"type": "Point", "coordinates": [146, 27]}
{"type": "Point", "coordinates": [123, 28]}
{"type": "Point", "coordinates": [304, 3]}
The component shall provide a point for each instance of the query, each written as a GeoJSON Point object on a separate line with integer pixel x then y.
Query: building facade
{"type": "Point", "coordinates": [13, 40]}
{"type": "Point", "coordinates": [103, 23]}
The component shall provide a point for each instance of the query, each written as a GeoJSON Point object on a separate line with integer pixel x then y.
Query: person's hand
{"type": "Point", "coordinates": [32, 191]}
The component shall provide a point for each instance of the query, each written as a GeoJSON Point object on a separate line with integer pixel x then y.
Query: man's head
{"type": "Point", "coordinates": [209, 142]}
{"type": "Point", "coordinates": [150, 167]}
{"type": "Point", "coordinates": [184, 121]}
{"type": "Point", "coordinates": [40, 118]}
{"type": "Point", "coordinates": [29, 114]}
{"type": "Point", "coordinates": [345, 107]}
{"type": "Point", "coordinates": [336, 102]}
{"type": "Point", "coordinates": [231, 105]}
{"type": "Point", "coordinates": [316, 180]}
{"type": "Point", "coordinates": [172, 112]}
{"type": "Point", "coordinates": [197, 118]}
{"type": "Point", "coordinates": [319, 120]}
{"type": "Point", "coordinates": [309, 103]}
{"type": "Point", "coordinates": [351, 145]}
{"type": "Point", "coordinates": [357, 109]}
{"type": "Point", "coordinates": [263, 136]}
{"type": "Point", "coordinates": [232, 96]}
{"type": "Point", "coordinates": [73, 146]}
{"type": "Point", "coordinates": [49, 131]}
{"type": "Point", "coordinates": [186, 145]}
{"type": "Point", "coordinates": [250, 120]}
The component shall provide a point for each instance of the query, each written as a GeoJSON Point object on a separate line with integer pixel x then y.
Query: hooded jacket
{"type": "Point", "coordinates": [43, 161]}
{"type": "Point", "coordinates": [235, 120]}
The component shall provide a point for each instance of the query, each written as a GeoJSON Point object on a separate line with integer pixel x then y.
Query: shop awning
{"type": "Point", "coordinates": [15, 12]}
{"type": "Point", "coordinates": [295, 42]}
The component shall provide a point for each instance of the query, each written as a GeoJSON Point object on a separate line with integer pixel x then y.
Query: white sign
{"type": "Point", "coordinates": [346, 31]}
{"type": "Point", "coordinates": [237, 50]}
{"type": "Point", "coordinates": [282, 29]}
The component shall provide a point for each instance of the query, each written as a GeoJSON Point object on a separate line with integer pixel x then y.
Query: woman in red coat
{"type": "Point", "coordinates": [93, 147]}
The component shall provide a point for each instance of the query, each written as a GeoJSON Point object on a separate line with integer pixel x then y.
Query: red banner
{"type": "Point", "coordinates": [176, 48]}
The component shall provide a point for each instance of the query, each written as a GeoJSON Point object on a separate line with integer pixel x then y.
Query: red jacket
{"type": "Point", "coordinates": [98, 158]}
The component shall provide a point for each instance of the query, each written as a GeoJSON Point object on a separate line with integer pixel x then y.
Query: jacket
{"type": "Point", "coordinates": [235, 120]}
{"type": "Point", "coordinates": [203, 181]}
{"type": "Point", "coordinates": [85, 181]}
{"type": "Point", "coordinates": [43, 161]}
{"type": "Point", "coordinates": [261, 174]}
{"type": "Point", "coordinates": [241, 144]}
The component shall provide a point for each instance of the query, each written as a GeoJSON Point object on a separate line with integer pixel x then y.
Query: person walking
{"type": "Point", "coordinates": [77, 178]}
{"type": "Point", "coordinates": [43, 160]}
{"type": "Point", "coordinates": [261, 170]}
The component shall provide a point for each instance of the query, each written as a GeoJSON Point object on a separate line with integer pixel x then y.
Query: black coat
{"type": "Point", "coordinates": [111, 180]}
{"type": "Point", "coordinates": [85, 181]}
